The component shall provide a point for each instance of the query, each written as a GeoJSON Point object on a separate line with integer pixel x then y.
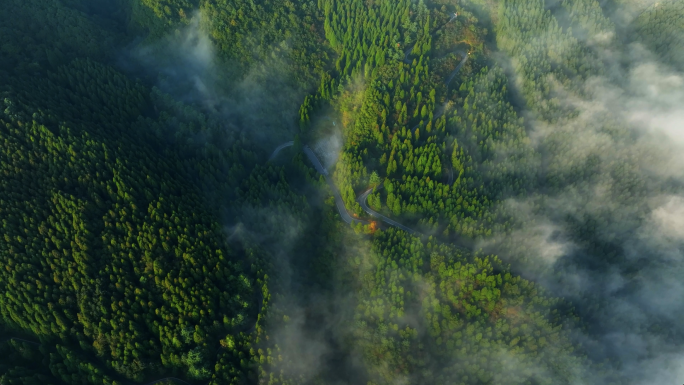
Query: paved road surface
{"type": "Point", "coordinates": [344, 214]}
{"type": "Point", "coordinates": [363, 198]}
{"type": "Point", "coordinates": [446, 83]}
{"type": "Point", "coordinates": [458, 67]}
{"type": "Point", "coordinates": [410, 48]}
{"type": "Point", "coordinates": [362, 201]}
{"type": "Point", "coordinates": [277, 150]}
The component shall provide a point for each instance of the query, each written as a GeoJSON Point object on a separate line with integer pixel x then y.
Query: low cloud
{"type": "Point", "coordinates": [607, 233]}
{"type": "Point", "coordinates": [329, 146]}
{"type": "Point", "coordinates": [261, 100]}
{"type": "Point", "coordinates": [668, 218]}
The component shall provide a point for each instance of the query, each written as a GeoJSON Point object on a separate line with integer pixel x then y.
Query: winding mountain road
{"type": "Point", "coordinates": [363, 201]}
{"type": "Point", "coordinates": [442, 110]}
{"type": "Point", "coordinates": [341, 208]}
{"type": "Point", "coordinates": [279, 148]}
{"type": "Point", "coordinates": [458, 67]}
{"type": "Point", "coordinates": [344, 214]}
{"type": "Point", "coordinates": [410, 48]}
{"type": "Point", "coordinates": [363, 198]}
{"type": "Point", "coordinates": [452, 74]}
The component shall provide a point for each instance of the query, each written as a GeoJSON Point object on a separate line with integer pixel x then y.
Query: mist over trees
{"type": "Point", "coordinates": [535, 146]}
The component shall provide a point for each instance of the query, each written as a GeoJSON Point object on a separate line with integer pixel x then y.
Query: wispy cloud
{"type": "Point", "coordinates": [607, 230]}
{"type": "Point", "coordinates": [261, 100]}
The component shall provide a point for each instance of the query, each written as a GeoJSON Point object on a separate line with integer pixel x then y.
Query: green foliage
{"type": "Point", "coordinates": [421, 160]}
{"type": "Point", "coordinates": [107, 252]}
{"type": "Point", "coordinates": [29, 363]}
{"type": "Point", "coordinates": [544, 54]}
{"type": "Point", "coordinates": [661, 29]}
{"type": "Point", "coordinates": [386, 25]}
{"type": "Point", "coordinates": [374, 179]}
{"type": "Point", "coordinates": [112, 250]}
{"type": "Point", "coordinates": [112, 256]}
{"type": "Point", "coordinates": [470, 320]}
{"type": "Point", "coordinates": [39, 35]}
{"type": "Point", "coordinates": [249, 32]}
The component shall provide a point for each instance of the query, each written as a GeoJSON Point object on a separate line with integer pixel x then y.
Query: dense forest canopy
{"type": "Point", "coordinates": [461, 192]}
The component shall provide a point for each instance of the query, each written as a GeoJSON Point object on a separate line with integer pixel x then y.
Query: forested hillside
{"type": "Point", "coordinates": [113, 255]}
{"type": "Point", "coordinates": [661, 28]}
{"type": "Point", "coordinates": [530, 151]}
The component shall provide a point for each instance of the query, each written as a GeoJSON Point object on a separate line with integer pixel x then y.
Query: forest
{"type": "Point", "coordinates": [341, 192]}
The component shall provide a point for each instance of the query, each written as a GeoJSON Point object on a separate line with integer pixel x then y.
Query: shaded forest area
{"type": "Point", "coordinates": [146, 237]}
